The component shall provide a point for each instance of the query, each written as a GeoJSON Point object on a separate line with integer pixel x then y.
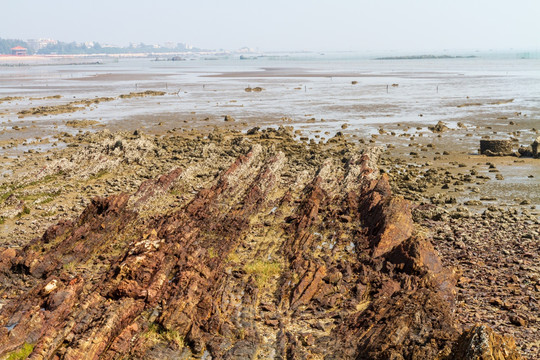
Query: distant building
{"type": "Point", "coordinates": [18, 51]}
{"type": "Point", "coordinates": [246, 49]}
{"type": "Point", "coordinates": [37, 44]}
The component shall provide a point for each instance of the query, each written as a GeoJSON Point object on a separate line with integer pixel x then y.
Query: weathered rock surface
{"type": "Point", "coordinates": [496, 147]}
{"type": "Point", "coordinates": [289, 252]}
{"type": "Point", "coordinates": [535, 147]}
{"type": "Point", "coordinates": [439, 127]}
{"type": "Point", "coordinates": [483, 343]}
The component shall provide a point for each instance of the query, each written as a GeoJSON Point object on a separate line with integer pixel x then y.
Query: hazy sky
{"type": "Point", "coordinates": [405, 25]}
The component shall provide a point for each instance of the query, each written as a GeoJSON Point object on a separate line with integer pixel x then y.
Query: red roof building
{"type": "Point", "coordinates": [18, 51]}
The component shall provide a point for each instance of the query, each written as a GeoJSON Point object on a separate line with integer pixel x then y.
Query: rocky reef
{"type": "Point", "coordinates": [269, 248]}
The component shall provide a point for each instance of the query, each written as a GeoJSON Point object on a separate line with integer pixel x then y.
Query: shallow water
{"type": "Point", "coordinates": [298, 87]}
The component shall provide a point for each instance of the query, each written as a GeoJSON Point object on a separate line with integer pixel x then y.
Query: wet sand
{"type": "Point", "coordinates": [302, 73]}
{"type": "Point", "coordinates": [120, 77]}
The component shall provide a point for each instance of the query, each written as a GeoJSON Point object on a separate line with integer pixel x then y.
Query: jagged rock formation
{"type": "Point", "coordinates": [286, 254]}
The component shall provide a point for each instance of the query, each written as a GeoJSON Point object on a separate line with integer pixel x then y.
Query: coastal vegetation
{"type": "Point", "coordinates": [74, 48]}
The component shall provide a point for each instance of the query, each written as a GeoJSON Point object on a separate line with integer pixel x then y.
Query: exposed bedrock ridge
{"type": "Point", "coordinates": [264, 263]}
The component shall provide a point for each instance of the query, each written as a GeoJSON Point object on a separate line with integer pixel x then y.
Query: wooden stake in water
{"type": "Point", "coordinates": [387, 89]}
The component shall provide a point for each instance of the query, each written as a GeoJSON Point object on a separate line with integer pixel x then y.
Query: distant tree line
{"type": "Point", "coordinates": [96, 48]}
{"type": "Point", "coordinates": [73, 48]}
{"type": "Point", "coordinates": [7, 44]}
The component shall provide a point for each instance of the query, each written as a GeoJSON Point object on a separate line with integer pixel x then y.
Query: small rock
{"type": "Point", "coordinates": [271, 322]}
{"type": "Point", "coordinates": [517, 320]}
{"type": "Point", "coordinates": [439, 128]}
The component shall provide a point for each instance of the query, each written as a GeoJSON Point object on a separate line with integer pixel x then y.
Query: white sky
{"type": "Point", "coordinates": [362, 25]}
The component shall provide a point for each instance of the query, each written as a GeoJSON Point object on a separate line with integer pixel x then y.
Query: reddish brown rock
{"type": "Point", "coordinates": [482, 343]}
{"type": "Point", "coordinates": [388, 218]}
{"type": "Point", "coordinates": [307, 287]}
{"type": "Point", "coordinates": [153, 187]}
{"type": "Point", "coordinates": [417, 256]}
{"type": "Point", "coordinates": [300, 254]}
{"type": "Point", "coordinates": [6, 257]}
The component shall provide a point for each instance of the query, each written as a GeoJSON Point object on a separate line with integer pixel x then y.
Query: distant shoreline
{"type": "Point", "coordinates": [74, 59]}
{"type": "Point", "coordinates": [427, 57]}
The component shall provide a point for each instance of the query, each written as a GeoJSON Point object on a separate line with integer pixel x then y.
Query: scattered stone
{"type": "Point", "coordinates": [488, 198]}
{"type": "Point", "coordinates": [473, 203]}
{"type": "Point", "coordinates": [255, 89]}
{"type": "Point", "coordinates": [439, 127]}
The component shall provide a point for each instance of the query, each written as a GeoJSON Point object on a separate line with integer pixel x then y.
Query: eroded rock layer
{"type": "Point", "coordinates": [288, 252]}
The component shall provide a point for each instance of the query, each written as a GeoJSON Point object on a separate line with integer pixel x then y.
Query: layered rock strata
{"type": "Point", "coordinates": [284, 254]}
